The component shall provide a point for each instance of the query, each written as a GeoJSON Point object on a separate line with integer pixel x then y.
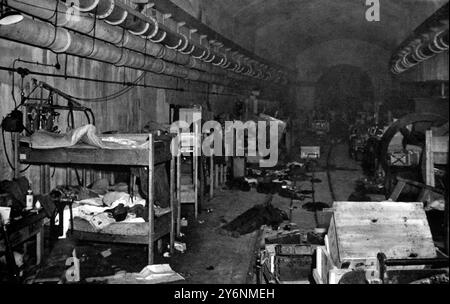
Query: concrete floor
{"type": "Point", "coordinates": [211, 257]}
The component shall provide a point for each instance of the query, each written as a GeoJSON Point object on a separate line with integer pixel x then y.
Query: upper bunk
{"type": "Point", "coordinates": [110, 149]}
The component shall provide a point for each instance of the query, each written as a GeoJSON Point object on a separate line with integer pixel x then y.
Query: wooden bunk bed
{"type": "Point", "coordinates": [156, 152]}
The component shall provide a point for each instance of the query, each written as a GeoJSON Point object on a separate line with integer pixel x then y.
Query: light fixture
{"type": "Point", "coordinates": [7, 15]}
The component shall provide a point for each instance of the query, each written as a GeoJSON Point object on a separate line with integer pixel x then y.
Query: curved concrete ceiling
{"type": "Point", "coordinates": [299, 24]}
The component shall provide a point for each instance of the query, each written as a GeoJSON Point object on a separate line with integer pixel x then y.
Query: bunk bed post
{"type": "Point", "coordinates": [178, 156]}
{"type": "Point", "coordinates": [151, 211]}
{"type": "Point", "coordinates": [173, 206]}
{"type": "Point", "coordinates": [216, 175]}
{"type": "Point", "coordinates": [195, 158]}
{"type": "Point", "coordinates": [211, 176]}
{"type": "Point", "coordinates": [47, 177]}
{"type": "Point", "coordinates": [202, 180]}
{"type": "Point", "coordinates": [84, 173]}
{"type": "Point", "coordinates": [42, 178]}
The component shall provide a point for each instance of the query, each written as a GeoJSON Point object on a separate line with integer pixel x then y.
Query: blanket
{"type": "Point", "coordinates": [86, 135]}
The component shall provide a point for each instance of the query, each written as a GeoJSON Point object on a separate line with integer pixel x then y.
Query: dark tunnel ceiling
{"type": "Point", "coordinates": [301, 24]}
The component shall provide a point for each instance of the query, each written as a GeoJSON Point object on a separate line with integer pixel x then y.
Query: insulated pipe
{"type": "Point", "coordinates": [117, 13]}
{"type": "Point", "coordinates": [83, 23]}
{"type": "Point", "coordinates": [431, 38]}
{"type": "Point", "coordinates": [45, 35]}
{"type": "Point", "coordinates": [59, 13]}
{"type": "Point", "coordinates": [412, 54]}
{"type": "Point", "coordinates": [170, 39]}
{"type": "Point", "coordinates": [38, 33]}
{"type": "Point", "coordinates": [86, 5]}
{"type": "Point", "coordinates": [137, 24]}
{"type": "Point", "coordinates": [443, 39]}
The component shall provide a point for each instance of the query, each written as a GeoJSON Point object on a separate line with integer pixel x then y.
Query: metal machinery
{"type": "Point", "coordinates": [42, 112]}
{"type": "Point", "coordinates": [415, 135]}
{"type": "Point", "coordinates": [321, 127]}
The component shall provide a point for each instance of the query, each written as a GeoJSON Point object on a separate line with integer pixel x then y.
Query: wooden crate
{"type": "Point", "coordinates": [360, 230]}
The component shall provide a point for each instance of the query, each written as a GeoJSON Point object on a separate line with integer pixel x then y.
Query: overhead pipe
{"type": "Point", "coordinates": [429, 39]}
{"type": "Point", "coordinates": [172, 40]}
{"type": "Point", "coordinates": [59, 14]}
{"type": "Point", "coordinates": [419, 50]}
{"type": "Point", "coordinates": [147, 27]}
{"type": "Point", "coordinates": [61, 40]}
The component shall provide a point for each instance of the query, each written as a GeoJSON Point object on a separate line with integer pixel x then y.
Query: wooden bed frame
{"type": "Point", "coordinates": [157, 153]}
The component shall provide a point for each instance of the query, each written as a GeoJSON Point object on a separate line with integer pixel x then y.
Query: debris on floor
{"type": "Point", "coordinates": [254, 218]}
{"type": "Point", "coordinates": [151, 274]}
{"type": "Point", "coordinates": [106, 253]}
{"type": "Point", "coordinates": [180, 246]}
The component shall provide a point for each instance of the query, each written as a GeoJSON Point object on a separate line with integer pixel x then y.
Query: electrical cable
{"type": "Point", "coordinates": [117, 82]}
{"type": "Point", "coordinates": [7, 156]}
{"type": "Point", "coordinates": [113, 95]}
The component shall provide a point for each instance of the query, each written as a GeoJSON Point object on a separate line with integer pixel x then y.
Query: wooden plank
{"type": "Point", "coordinates": [333, 242]}
{"type": "Point", "coordinates": [420, 185]}
{"type": "Point", "coordinates": [91, 155]}
{"type": "Point", "coordinates": [360, 230]}
{"type": "Point", "coordinates": [324, 265]}
{"type": "Point", "coordinates": [161, 228]}
{"type": "Point", "coordinates": [40, 245]}
{"type": "Point", "coordinates": [429, 159]}
{"type": "Point", "coordinates": [439, 144]}
{"type": "Point", "coordinates": [397, 190]}
{"type": "Point", "coordinates": [172, 204]}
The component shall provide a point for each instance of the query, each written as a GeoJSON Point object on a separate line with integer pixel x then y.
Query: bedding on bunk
{"type": "Point", "coordinates": [86, 134]}
{"type": "Point", "coordinates": [114, 213]}
{"type": "Point", "coordinates": [97, 219]}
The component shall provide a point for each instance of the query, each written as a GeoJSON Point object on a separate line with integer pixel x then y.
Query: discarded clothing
{"type": "Point", "coordinates": [268, 188]}
{"type": "Point", "coordinates": [17, 188]}
{"type": "Point", "coordinates": [254, 218]}
{"type": "Point", "coordinates": [238, 184]}
{"type": "Point", "coordinates": [162, 188]}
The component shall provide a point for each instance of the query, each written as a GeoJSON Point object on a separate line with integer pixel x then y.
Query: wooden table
{"type": "Point", "coordinates": [25, 228]}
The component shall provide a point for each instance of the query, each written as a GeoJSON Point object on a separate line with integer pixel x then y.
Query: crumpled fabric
{"type": "Point", "coordinates": [87, 135]}
{"type": "Point", "coordinates": [48, 140]}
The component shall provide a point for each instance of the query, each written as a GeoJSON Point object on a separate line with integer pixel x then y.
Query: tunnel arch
{"type": "Point", "coordinates": [345, 86]}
